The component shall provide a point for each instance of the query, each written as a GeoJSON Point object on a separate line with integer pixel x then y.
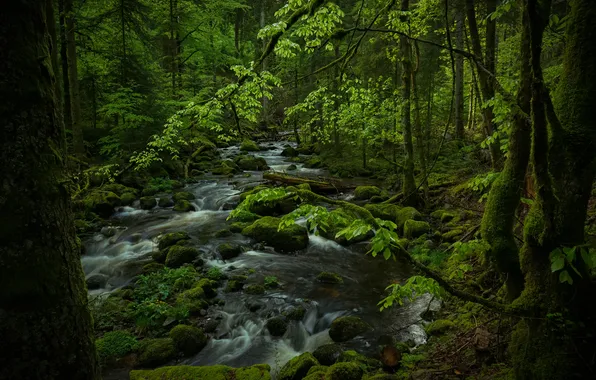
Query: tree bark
{"type": "Point", "coordinates": [420, 138]}
{"type": "Point", "coordinates": [459, 72]}
{"type": "Point", "coordinates": [73, 81]}
{"type": "Point", "coordinates": [44, 320]}
{"type": "Point", "coordinates": [64, 60]}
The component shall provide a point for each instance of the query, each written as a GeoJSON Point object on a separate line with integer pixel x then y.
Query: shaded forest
{"type": "Point", "coordinates": [301, 189]}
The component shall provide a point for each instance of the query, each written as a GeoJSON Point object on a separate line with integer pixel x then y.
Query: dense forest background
{"type": "Point", "coordinates": [464, 126]}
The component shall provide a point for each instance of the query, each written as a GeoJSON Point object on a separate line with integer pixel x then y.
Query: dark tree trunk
{"type": "Point", "coordinates": [64, 61]}
{"type": "Point", "coordinates": [420, 138]}
{"type": "Point", "coordinates": [73, 81]}
{"type": "Point", "coordinates": [45, 324]}
{"type": "Point", "coordinates": [459, 72]}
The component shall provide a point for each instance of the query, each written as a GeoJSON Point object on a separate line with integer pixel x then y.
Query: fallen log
{"type": "Point", "coordinates": [327, 186]}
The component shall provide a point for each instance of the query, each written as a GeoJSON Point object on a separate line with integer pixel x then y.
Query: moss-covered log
{"type": "Point", "coordinates": [318, 186]}
{"type": "Point", "coordinates": [45, 324]}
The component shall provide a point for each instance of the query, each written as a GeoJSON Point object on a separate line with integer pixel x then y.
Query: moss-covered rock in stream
{"type": "Point", "coordinates": [188, 340]}
{"type": "Point", "coordinates": [183, 206]}
{"type": "Point", "coordinates": [328, 354]}
{"type": "Point", "coordinates": [344, 371]}
{"type": "Point", "coordinates": [226, 167]}
{"type": "Point", "coordinates": [119, 189]}
{"type": "Point", "coordinates": [290, 152]}
{"type": "Point", "coordinates": [314, 163]}
{"type": "Point", "coordinates": [256, 289]}
{"type": "Point", "coordinates": [366, 363]}
{"type": "Point", "coordinates": [298, 367]}
{"type": "Point", "coordinates": [345, 328]}
{"type": "Point", "coordinates": [245, 217]}
{"type": "Point", "coordinates": [229, 251]}
{"type": "Point", "coordinates": [246, 162]}
{"type": "Point", "coordinates": [453, 235]}
{"type": "Point", "coordinates": [366, 192]}
{"type": "Point", "coordinates": [156, 352]}
{"type": "Point", "coordinates": [414, 228]}
{"type": "Point", "coordinates": [183, 195]}
{"type": "Point", "coordinates": [179, 255]}
{"type": "Point", "coordinates": [292, 168]}
{"type": "Point", "coordinates": [289, 239]}
{"type": "Point", "coordinates": [405, 214]}
{"type": "Point", "coordinates": [249, 146]}
{"type": "Point", "coordinates": [127, 199]}
{"type": "Point", "coordinates": [171, 238]}
{"type": "Point", "coordinates": [383, 211]}
{"type": "Point", "coordinates": [239, 226]}
{"type": "Point", "coordinates": [147, 203]}
{"type": "Point", "coordinates": [101, 202]}
{"type": "Point", "coordinates": [195, 299]}
{"type": "Point", "coordinates": [341, 219]}
{"type": "Point", "coordinates": [114, 345]}
{"type": "Point", "coordinates": [277, 326]}
{"type": "Point", "coordinates": [295, 313]}
{"type": "Point", "coordinates": [165, 201]}
{"type": "Point", "coordinates": [329, 278]}
{"type": "Point", "coordinates": [438, 327]}
{"type": "Point", "coordinates": [215, 372]}
{"type": "Point", "coordinates": [317, 372]}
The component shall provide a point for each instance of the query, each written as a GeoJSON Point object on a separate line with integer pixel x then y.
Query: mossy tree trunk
{"type": "Point", "coordinates": [560, 343]}
{"type": "Point", "coordinates": [45, 324]}
{"type": "Point", "coordinates": [73, 81]}
{"type": "Point", "coordinates": [459, 71]}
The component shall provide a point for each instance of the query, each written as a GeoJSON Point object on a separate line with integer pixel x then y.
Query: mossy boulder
{"type": "Point", "coordinates": [298, 367]}
{"type": "Point", "coordinates": [292, 168]}
{"type": "Point", "coordinates": [277, 326]}
{"type": "Point", "coordinates": [229, 251]}
{"type": "Point", "coordinates": [249, 146]}
{"type": "Point", "coordinates": [345, 328]}
{"type": "Point", "coordinates": [443, 215]}
{"type": "Point", "coordinates": [226, 167]}
{"type": "Point", "coordinates": [438, 327]}
{"type": "Point", "coordinates": [342, 219]}
{"type": "Point", "coordinates": [314, 163]}
{"type": "Point", "coordinates": [328, 354]}
{"type": "Point", "coordinates": [101, 202]}
{"type": "Point", "coordinates": [329, 278]}
{"type": "Point", "coordinates": [304, 186]}
{"type": "Point", "coordinates": [414, 228]}
{"type": "Point", "coordinates": [317, 372]}
{"type": "Point", "coordinates": [405, 214]}
{"type": "Point", "coordinates": [223, 233]}
{"type": "Point", "coordinates": [179, 255]}
{"type": "Point", "coordinates": [289, 239]}
{"type": "Point", "coordinates": [245, 216]}
{"type": "Point", "coordinates": [165, 202]}
{"type": "Point", "coordinates": [366, 363]}
{"type": "Point", "coordinates": [344, 371]}
{"type": "Point", "coordinates": [215, 372]}
{"type": "Point", "coordinates": [156, 352]}
{"type": "Point", "coordinates": [234, 286]}
{"type": "Point", "coordinates": [239, 226]}
{"type": "Point", "coordinates": [169, 239]}
{"type": "Point", "coordinates": [152, 267]}
{"type": "Point", "coordinates": [114, 345]}
{"type": "Point", "coordinates": [195, 299]}
{"type": "Point", "coordinates": [296, 313]}
{"type": "Point", "coordinates": [255, 289]}
{"type": "Point", "coordinates": [453, 235]}
{"type": "Point", "coordinates": [183, 206]}
{"type": "Point", "coordinates": [290, 152]}
{"type": "Point", "coordinates": [188, 340]}
{"type": "Point", "coordinates": [246, 162]}
{"type": "Point", "coordinates": [384, 211]}
{"type": "Point", "coordinates": [366, 192]}
{"type": "Point", "coordinates": [127, 199]}
{"type": "Point", "coordinates": [118, 189]}
{"type": "Point", "coordinates": [183, 195]}
{"type": "Point", "coordinates": [147, 203]}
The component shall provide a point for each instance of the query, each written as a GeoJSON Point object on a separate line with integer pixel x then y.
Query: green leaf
{"type": "Point", "coordinates": [564, 277]}
{"type": "Point", "coordinates": [557, 263]}
{"type": "Point", "coordinates": [589, 257]}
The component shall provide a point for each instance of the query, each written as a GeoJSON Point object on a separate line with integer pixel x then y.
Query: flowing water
{"type": "Point", "coordinates": [241, 337]}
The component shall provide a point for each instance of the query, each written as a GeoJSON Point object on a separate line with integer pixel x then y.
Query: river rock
{"type": "Point", "coordinates": [229, 251]}
{"type": "Point", "coordinates": [298, 367]}
{"type": "Point", "coordinates": [96, 281]}
{"type": "Point", "coordinates": [101, 202]}
{"type": "Point", "coordinates": [108, 231]}
{"type": "Point", "coordinates": [292, 167]}
{"type": "Point", "coordinates": [405, 214]}
{"type": "Point", "coordinates": [251, 163]}
{"type": "Point", "coordinates": [188, 340]}
{"type": "Point", "coordinates": [169, 239]}
{"type": "Point", "coordinates": [344, 371]}
{"type": "Point", "coordinates": [329, 278]}
{"type": "Point", "coordinates": [183, 206]}
{"type": "Point", "coordinates": [147, 203]}
{"type": "Point", "coordinates": [156, 352]}
{"type": "Point", "coordinates": [179, 255]}
{"type": "Point", "coordinates": [165, 202]}
{"type": "Point", "coordinates": [289, 239]}
{"type": "Point", "coordinates": [183, 195]}
{"type": "Point", "coordinates": [277, 326]}
{"type": "Point", "coordinates": [127, 199]}
{"type": "Point", "coordinates": [383, 211]}
{"type": "Point", "coordinates": [414, 228]}
{"type": "Point", "coordinates": [256, 289]}
{"type": "Point", "coordinates": [366, 192]}
{"type": "Point", "coordinates": [289, 152]}
{"type": "Point", "coordinates": [345, 328]}
{"type": "Point", "coordinates": [328, 354]}
{"type": "Point", "coordinates": [249, 146]}
{"type": "Point", "coordinates": [255, 372]}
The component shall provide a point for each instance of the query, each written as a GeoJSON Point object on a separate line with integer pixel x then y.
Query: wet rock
{"type": "Point", "coordinates": [211, 325]}
{"type": "Point", "coordinates": [290, 152]}
{"type": "Point", "coordinates": [135, 238]}
{"type": "Point", "coordinates": [251, 163]}
{"type": "Point", "coordinates": [277, 326]}
{"type": "Point", "coordinates": [183, 195]}
{"type": "Point", "coordinates": [344, 371]}
{"type": "Point", "coordinates": [255, 289]}
{"type": "Point", "coordinates": [108, 231]}
{"type": "Point", "coordinates": [289, 239]}
{"type": "Point", "coordinates": [216, 372]}
{"type": "Point", "coordinates": [152, 267]}
{"type": "Point", "coordinates": [228, 251]}
{"type": "Point", "coordinates": [249, 146]}
{"type": "Point", "coordinates": [227, 167]}
{"type": "Point", "coordinates": [183, 206]}
{"type": "Point", "coordinates": [328, 354]}
{"type": "Point", "coordinates": [366, 192]}
{"type": "Point", "coordinates": [156, 352]}
{"type": "Point", "coordinates": [298, 367]}
{"type": "Point", "coordinates": [255, 306]}
{"type": "Point", "coordinates": [296, 313]}
{"type": "Point", "coordinates": [438, 327]}
{"type": "Point", "coordinates": [169, 239]}
{"type": "Point", "coordinates": [329, 278]}
{"type": "Point", "coordinates": [384, 211]}
{"type": "Point", "coordinates": [147, 203]}
{"type": "Point", "coordinates": [179, 255]}
{"type": "Point", "coordinates": [292, 168]}
{"type": "Point", "coordinates": [414, 228]}
{"type": "Point", "coordinates": [229, 206]}
{"type": "Point", "coordinates": [188, 340]}
{"type": "Point", "coordinates": [405, 214]}
{"type": "Point", "coordinates": [366, 363]}
{"type": "Point", "coordinates": [223, 233]}
{"type": "Point", "coordinates": [96, 281]}
{"type": "Point", "coordinates": [345, 328]}
{"type": "Point", "coordinates": [127, 199]}
{"type": "Point", "coordinates": [101, 202]}
{"type": "Point", "coordinates": [165, 202]}
{"type": "Point", "coordinates": [234, 286]}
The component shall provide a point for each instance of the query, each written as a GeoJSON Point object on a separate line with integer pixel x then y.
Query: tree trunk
{"type": "Point", "coordinates": [264, 100]}
{"type": "Point", "coordinates": [459, 72]}
{"type": "Point", "coordinates": [64, 61]}
{"type": "Point", "coordinates": [409, 183]}
{"type": "Point", "coordinates": [45, 324]}
{"type": "Point", "coordinates": [295, 122]}
{"type": "Point", "coordinates": [73, 81]}
{"type": "Point", "coordinates": [420, 143]}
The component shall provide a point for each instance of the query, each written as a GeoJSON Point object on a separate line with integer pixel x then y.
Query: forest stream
{"type": "Point", "coordinates": [241, 338]}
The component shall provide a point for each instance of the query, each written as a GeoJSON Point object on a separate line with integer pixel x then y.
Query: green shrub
{"type": "Point", "coordinates": [115, 344]}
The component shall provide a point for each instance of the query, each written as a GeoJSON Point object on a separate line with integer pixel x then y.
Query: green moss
{"type": "Point", "coordinates": [453, 235]}
{"type": "Point", "coordinates": [330, 278]}
{"type": "Point", "coordinates": [188, 340]}
{"type": "Point", "coordinates": [298, 367]}
{"type": "Point", "coordinates": [366, 363]}
{"type": "Point", "coordinates": [234, 286]}
{"type": "Point", "coordinates": [216, 372]}
{"type": "Point", "coordinates": [345, 328]}
{"type": "Point", "coordinates": [194, 300]}
{"type": "Point", "coordinates": [165, 201]}
{"type": "Point", "coordinates": [249, 146]}
{"type": "Point", "coordinates": [118, 189]}
{"type": "Point", "coordinates": [405, 214]}
{"type": "Point", "coordinates": [328, 354]}
{"type": "Point", "coordinates": [289, 239]}
{"type": "Point", "coordinates": [304, 186]}
{"type": "Point", "coordinates": [344, 371]}
{"type": "Point", "coordinates": [101, 202]}
{"type": "Point", "coordinates": [223, 233]}
{"type": "Point", "coordinates": [245, 217]}
{"type": "Point", "coordinates": [251, 163]}
{"type": "Point", "coordinates": [183, 195]}
{"type": "Point", "coordinates": [229, 251]}
{"type": "Point", "coordinates": [277, 326]}
{"type": "Point", "coordinates": [239, 226]}
{"type": "Point", "coordinates": [115, 344]}
{"type": "Point", "coordinates": [318, 369]}
{"type": "Point", "coordinates": [147, 203]}
{"type": "Point", "coordinates": [295, 313]}
{"type": "Point", "coordinates": [127, 199]}
{"type": "Point", "coordinates": [366, 192]}
{"type": "Point", "coordinates": [183, 206]}
{"type": "Point", "coordinates": [172, 238]}
{"type": "Point", "coordinates": [414, 229]}
{"type": "Point", "coordinates": [255, 289]}
{"type": "Point", "coordinates": [152, 267]}
{"type": "Point", "coordinates": [438, 327]}
{"type": "Point", "coordinates": [155, 352]}
{"type": "Point", "coordinates": [179, 255]}
{"type": "Point", "coordinates": [384, 211]}
{"type": "Point", "coordinates": [314, 163]}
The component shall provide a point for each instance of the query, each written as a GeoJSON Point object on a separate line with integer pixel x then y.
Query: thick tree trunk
{"type": "Point", "coordinates": [459, 72]}
{"type": "Point", "coordinates": [420, 138]}
{"type": "Point", "coordinates": [64, 61]}
{"type": "Point", "coordinates": [45, 324]}
{"type": "Point", "coordinates": [409, 183]}
{"type": "Point", "coordinates": [73, 81]}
